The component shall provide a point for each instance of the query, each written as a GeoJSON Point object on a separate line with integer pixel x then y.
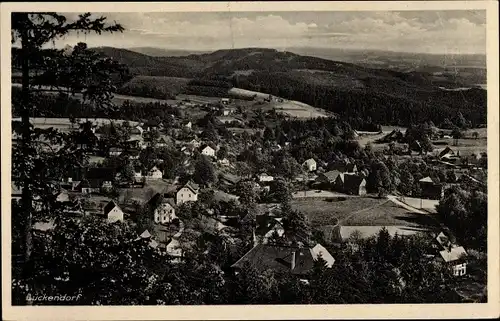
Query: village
{"type": "Point", "coordinates": [147, 176]}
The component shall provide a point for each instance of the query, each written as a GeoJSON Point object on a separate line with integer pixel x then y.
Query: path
{"type": "Point", "coordinates": [404, 205]}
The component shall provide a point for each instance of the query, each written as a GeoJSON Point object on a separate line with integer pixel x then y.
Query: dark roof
{"type": "Point", "coordinates": [266, 223]}
{"type": "Point", "coordinates": [277, 258]}
{"type": "Point", "coordinates": [446, 151]}
{"type": "Point", "coordinates": [352, 181]}
{"type": "Point", "coordinates": [155, 200]}
{"type": "Point", "coordinates": [332, 175]}
{"type": "Point", "coordinates": [192, 186]}
{"type": "Point", "coordinates": [111, 205]}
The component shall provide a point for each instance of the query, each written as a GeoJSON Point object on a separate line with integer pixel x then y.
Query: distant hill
{"type": "Point", "coordinates": [159, 52]}
{"type": "Point", "coordinates": [386, 95]}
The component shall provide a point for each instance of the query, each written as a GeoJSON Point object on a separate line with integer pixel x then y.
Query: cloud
{"type": "Point", "coordinates": [398, 31]}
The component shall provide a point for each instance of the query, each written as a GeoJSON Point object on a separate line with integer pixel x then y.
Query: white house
{"type": "Point", "coordinates": [224, 162]}
{"type": "Point", "coordinates": [187, 193]}
{"type": "Point", "coordinates": [263, 177]}
{"type": "Point", "coordinates": [139, 129]}
{"type": "Point", "coordinates": [188, 125]}
{"type": "Point", "coordinates": [155, 173]}
{"type": "Point", "coordinates": [137, 174]}
{"type": "Point", "coordinates": [165, 211]}
{"type": "Point", "coordinates": [225, 101]}
{"type": "Point", "coordinates": [114, 151]}
{"type": "Point", "coordinates": [113, 212]}
{"type": "Point", "coordinates": [455, 258]}
{"type": "Point", "coordinates": [310, 164]}
{"type": "Point", "coordinates": [207, 151]}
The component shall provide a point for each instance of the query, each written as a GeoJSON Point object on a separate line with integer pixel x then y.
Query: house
{"type": "Point", "coordinates": [137, 130]}
{"type": "Point", "coordinates": [164, 142]}
{"type": "Point", "coordinates": [292, 259]}
{"type": "Point", "coordinates": [447, 151]}
{"type": "Point", "coordinates": [174, 249]}
{"type": "Point", "coordinates": [354, 185]}
{"type": "Point", "coordinates": [63, 197]}
{"type": "Point", "coordinates": [328, 177]}
{"type": "Point", "coordinates": [187, 193]}
{"type": "Point", "coordinates": [155, 173]}
{"type": "Point", "coordinates": [224, 162]}
{"type": "Point", "coordinates": [152, 124]}
{"type": "Point", "coordinates": [163, 209]}
{"type": "Point", "coordinates": [187, 150]}
{"type": "Point", "coordinates": [267, 226]}
{"type": "Point", "coordinates": [194, 143]}
{"type": "Point", "coordinates": [225, 101]}
{"type": "Point", "coordinates": [132, 154]}
{"type": "Point", "coordinates": [115, 151]}
{"type": "Point", "coordinates": [263, 177]}
{"type": "Point", "coordinates": [228, 111]}
{"type": "Point", "coordinates": [147, 236]}
{"type": "Point", "coordinates": [86, 139]}
{"type": "Point", "coordinates": [310, 164]}
{"type": "Point", "coordinates": [136, 142]}
{"type": "Point", "coordinates": [207, 151]}
{"type": "Point", "coordinates": [112, 212]}
{"type": "Point", "coordinates": [430, 189]}
{"type": "Point", "coordinates": [455, 257]}
{"type": "Point", "coordinates": [188, 125]}
{"type": "Point", "coordinates": [97, 179]}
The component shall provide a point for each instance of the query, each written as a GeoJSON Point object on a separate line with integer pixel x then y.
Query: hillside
{"type": "Point", "coordinates": [350, 90]}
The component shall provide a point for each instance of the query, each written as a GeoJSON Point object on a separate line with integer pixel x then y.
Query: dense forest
{"type": "Point", "coordinates": [403, 108]}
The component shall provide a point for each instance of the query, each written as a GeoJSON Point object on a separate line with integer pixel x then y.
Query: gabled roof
{"type": "Point", "coordinates": [267, 223]}
{"type": "Point", "coordinates": [145, 234]}
{"type": "Point", "coordinates": [453, 255]}
{"type": "Point", "coordinates": [154, 168]}
{"type": "Point", "coordinates": [426, 180]}
{"type": "Point", "coordinates": [445, 151]}
{"type": "Point", "coordinates": [192, 186]}
{"type": "Point", "coordinates": [202, 147]}
{"type": "Point", "coordinates": [443, 240]}
{"type": "Point", "coordinates": [279, 258]}
{"type": "Point", "coordinates": [309, 161]}
{"type": "Point", "coordinates": [109, 207]}
{"type": "Point", "coordinates": [332, 175]}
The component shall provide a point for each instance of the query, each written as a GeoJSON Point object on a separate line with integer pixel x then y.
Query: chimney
{"type": "Point", "coordinates": [292, 263]}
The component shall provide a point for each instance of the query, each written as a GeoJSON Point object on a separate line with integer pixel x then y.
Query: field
{"type": "Point", "coordinates": [297, 109]}
{"type": "Point", "coordinates": [360, 211]}
{"type": "Point", "coordinates": [465, 146]}
{"type": "Point", "coordinates": [322, 211]}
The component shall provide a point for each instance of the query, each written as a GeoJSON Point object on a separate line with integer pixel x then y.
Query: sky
{"type": "Point", "coordinates": [440, 32]}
